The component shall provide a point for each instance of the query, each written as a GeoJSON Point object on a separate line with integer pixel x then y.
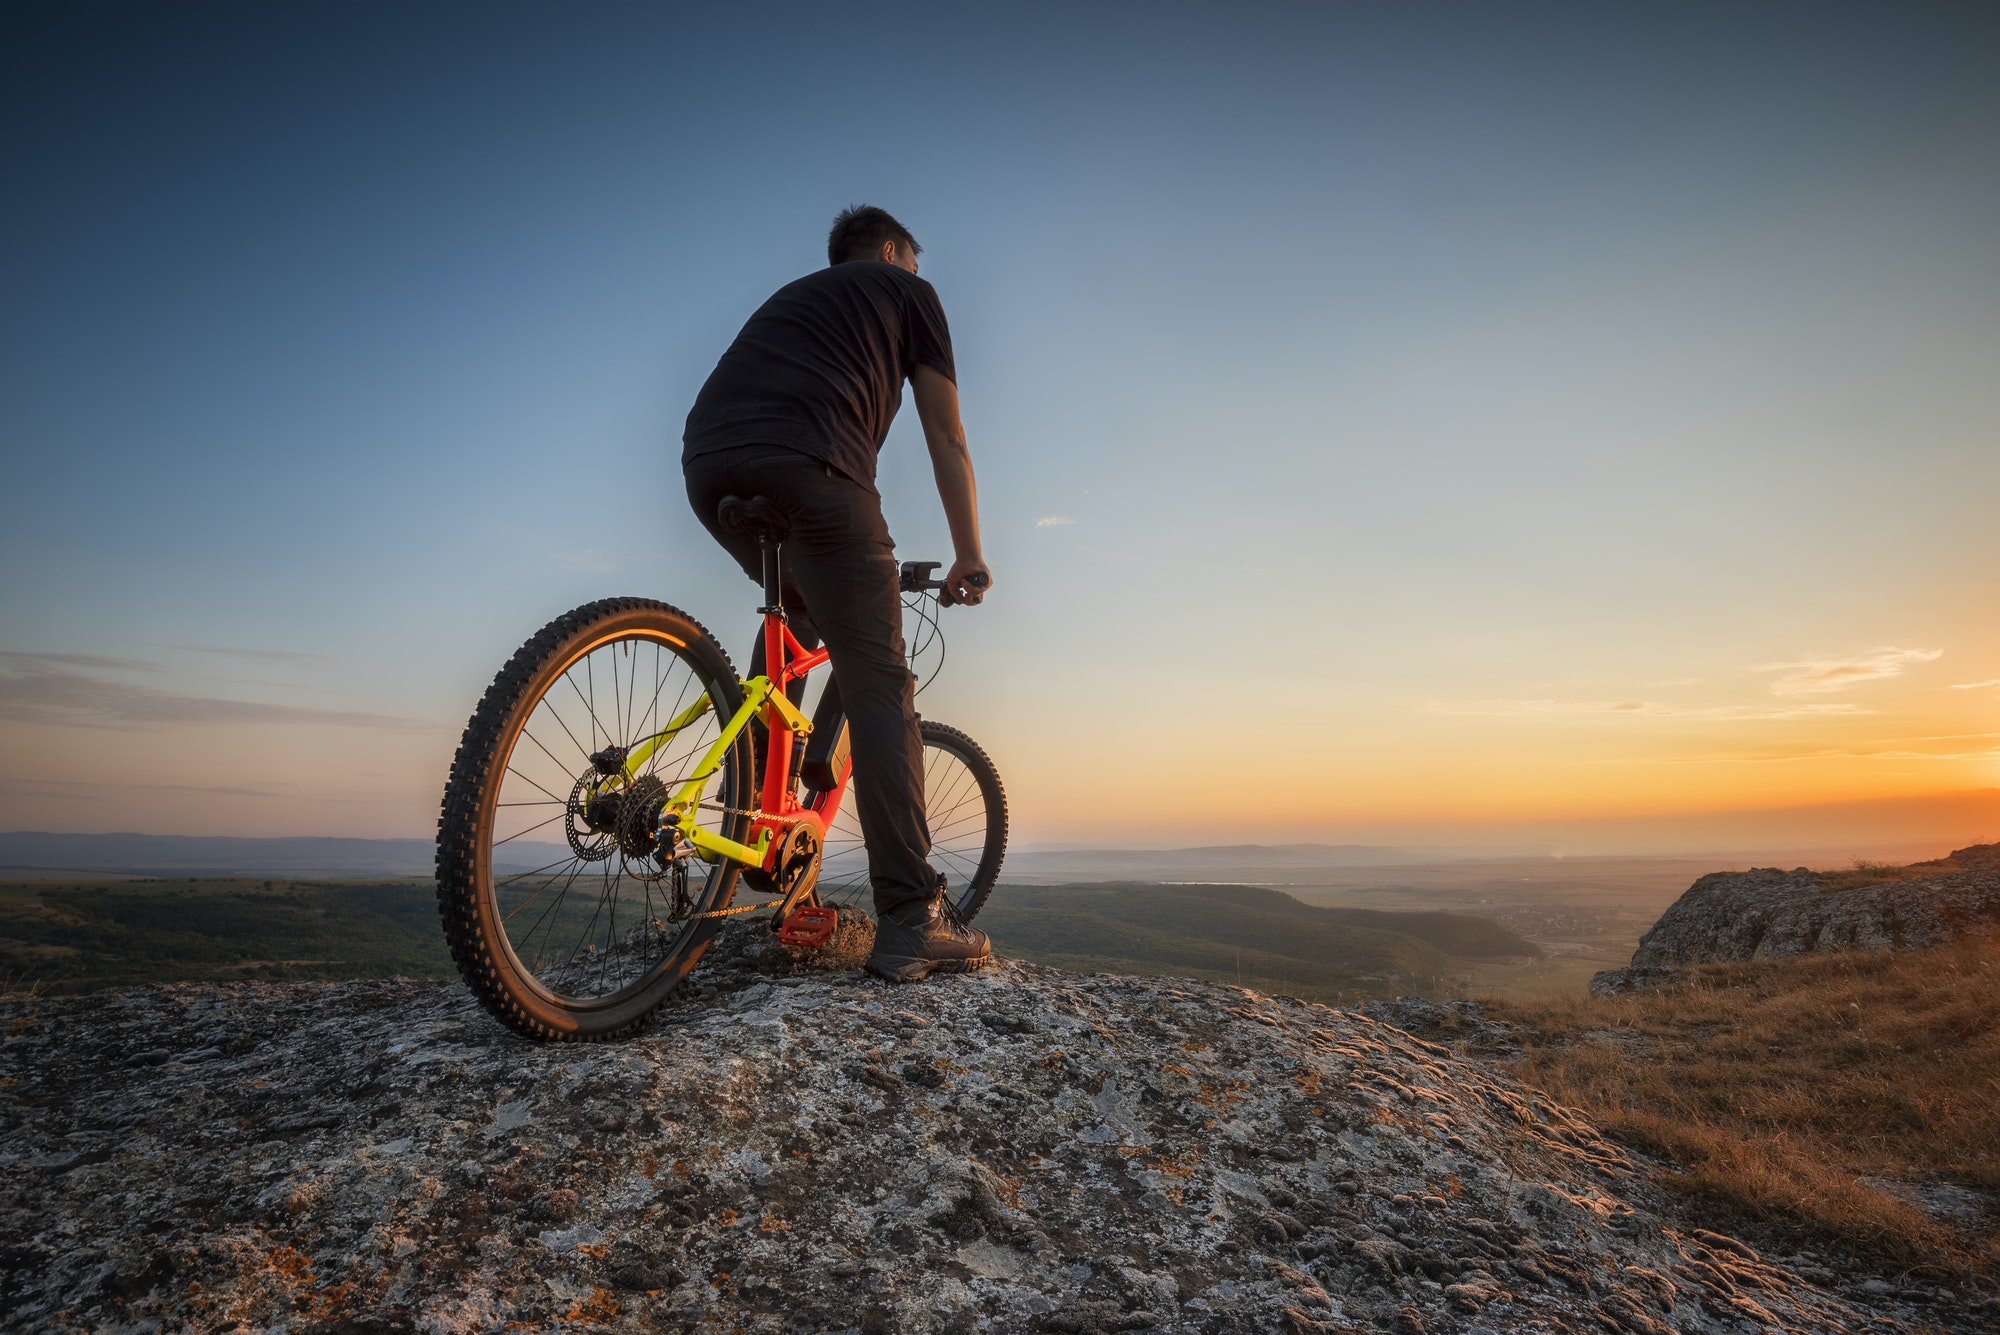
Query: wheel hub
{"type": "Point", "coordinates": [623, 820]}
{"type": "Point", "coordinates": [639, 809]}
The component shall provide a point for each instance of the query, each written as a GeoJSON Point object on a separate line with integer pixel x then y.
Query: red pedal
{"type": "Point", "coordinates": [810, 926]}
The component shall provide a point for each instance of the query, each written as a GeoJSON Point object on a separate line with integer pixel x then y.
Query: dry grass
{"type": "Point", "coordinates": [1774, 1088]}
{"type": "Point", "coordinates": [1864, 872]}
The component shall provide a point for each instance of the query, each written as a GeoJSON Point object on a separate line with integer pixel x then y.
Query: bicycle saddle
{"type": "Point", "coordinates": [755, 517]}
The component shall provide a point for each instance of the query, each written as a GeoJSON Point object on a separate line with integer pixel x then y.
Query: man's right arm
{"type": "Point", "coordinates": [951, 463]}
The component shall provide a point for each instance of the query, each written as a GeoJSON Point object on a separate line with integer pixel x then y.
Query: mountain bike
{"type": "Point", "coordinates": [618, 784]}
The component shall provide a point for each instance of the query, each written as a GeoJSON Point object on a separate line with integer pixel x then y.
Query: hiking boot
{"type": "Point", "coordinates": [923, 938]}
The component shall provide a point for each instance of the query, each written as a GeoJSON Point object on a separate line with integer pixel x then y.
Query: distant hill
{"type": "Point", "coordinates": [1223, 862]}
{"type": "Point", "coordinates": [1233, 855]}
{"type": "Point", "coordinates": [210, 855]}
{"type": "Point", "coordinates": [86, 935]}
{"type": "Point", "coordinates": [203, 855]}
{"type": "Point", "coordinates": [1229, 933]}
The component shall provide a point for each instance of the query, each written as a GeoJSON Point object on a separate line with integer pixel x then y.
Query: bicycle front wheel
{"type": "Point", "coordinates": [566, 915]}
{"type": "Point", "coordinates": [966, 809]}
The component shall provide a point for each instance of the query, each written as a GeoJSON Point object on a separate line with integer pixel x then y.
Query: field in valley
{"type": "Point", "coordinates": [79, 934]}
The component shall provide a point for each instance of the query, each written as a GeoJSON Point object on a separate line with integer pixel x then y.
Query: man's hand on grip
{"type": "Point", "coordinates": [967, 582]}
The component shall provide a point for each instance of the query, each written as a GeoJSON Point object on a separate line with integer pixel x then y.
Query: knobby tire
{"type": "Point", "coordinates": [536, 999]}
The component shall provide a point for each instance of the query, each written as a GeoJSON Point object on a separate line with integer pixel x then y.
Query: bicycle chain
{"type": "Point", "coordinates": [680, 864]}
{"type": "Point", "coordinates": [747, 908]}
{"type": "Point", "coordinates": [753, 813]}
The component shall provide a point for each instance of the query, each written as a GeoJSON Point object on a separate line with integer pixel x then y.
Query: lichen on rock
{"type": "Point", "coordinates": [791, 1149]}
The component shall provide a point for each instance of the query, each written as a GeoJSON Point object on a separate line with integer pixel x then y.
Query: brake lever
{"type": "Point", "coordinates": [915, 577]}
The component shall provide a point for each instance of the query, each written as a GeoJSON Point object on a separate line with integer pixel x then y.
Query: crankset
{"type": "Point", "coordinates": [799, 919]}
{"type": "Point", "coordinates": [794, 865]}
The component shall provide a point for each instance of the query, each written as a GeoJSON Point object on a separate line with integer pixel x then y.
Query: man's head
{"type": "Point", "coordinates": [864, 232]}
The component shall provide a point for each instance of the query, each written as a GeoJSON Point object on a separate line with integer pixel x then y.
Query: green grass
{"type": "Point", "coordinates": [75, 936]}
{"type": "Point", "coordinates": [1242, 934]}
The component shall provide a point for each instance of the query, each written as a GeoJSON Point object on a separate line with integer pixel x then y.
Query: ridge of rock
{"type": "Point", "coordinates": [785, 1151]}
{"type": "Point", "coordinates": [1766, 913]}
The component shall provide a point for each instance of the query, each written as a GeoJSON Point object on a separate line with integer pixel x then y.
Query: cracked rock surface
{"type": "Point", "coordinates": [1766, 914]}
{"type": "Point", "coordinates": [788, 1150]}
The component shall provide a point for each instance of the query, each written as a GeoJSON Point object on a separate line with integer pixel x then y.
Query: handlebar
{"type": "Point", "coordinates": [916, 578]}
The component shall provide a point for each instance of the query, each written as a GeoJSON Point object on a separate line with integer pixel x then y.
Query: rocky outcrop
{"type": "Point", "coordinates": [1765, 914]}
{"type": "Point", "coordinates": [790, 1151]}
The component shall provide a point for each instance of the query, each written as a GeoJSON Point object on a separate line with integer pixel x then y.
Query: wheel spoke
{"type": "Point", "coordinates": [580, 924]}
{"type": "Point", "coordinates": [532, 784]}
{"type": "Point", "coordinates": [590, 708]}
{"type": "Point", "coordinates": [579, 865]}
{"type": "Point", "coordinates": [544, 750]}
{"type": "Point", "coordinates": [554, 904]}
{"type": "Point", "coordinates": [591, 930]}
{"type": "Point", "coordinates": [532, 828]}
{"type": "Point", "coordinates": [556, 714]}
{"type": "Point", "coordinates": [561, 861]}
{"type": "Point", "coordinates": [961, 824]}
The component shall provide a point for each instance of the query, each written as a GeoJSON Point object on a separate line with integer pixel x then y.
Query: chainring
{"type": "Point", "coordinates": [795, 871]}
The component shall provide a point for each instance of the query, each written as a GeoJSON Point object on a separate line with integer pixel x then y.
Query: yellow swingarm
{"type": "Point", "coordinates": [679, 813]}
{"type": "Point", "coordinates": [636, 759]}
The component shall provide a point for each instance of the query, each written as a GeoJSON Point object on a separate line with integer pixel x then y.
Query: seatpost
{"type": "Point", "coordinates": [777, 735]}
{"type": "Point", "coordinates": [774, 598]}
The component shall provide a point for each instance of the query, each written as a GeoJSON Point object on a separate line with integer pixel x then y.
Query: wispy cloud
{"type": "Point", "coordinates": [69, 790]}
{"type": "Point", "coordinates": [1054, 521]}
{"type": "Point", "coordinates": [203, 788]}
{"type": "Point", "coordinates": [97, 661]}
{"type": "Point", "coordinates": [1806, 677]}
{"type": "Point", "coordinates": [46, 692]}
{"type": "Point", "coordinates": [1974, 685]}
{"type": "Point", "coordinates": [1645, 709]}
{"type": "Point", "coordinates": [1504, 707]}
{"type": "Point", "coordinates": [99, 790]}
{"type": "Point", "coordinates": [1963, 747]}
{"type": "Point", "coordinates": [1823, 676]}
{"type": "Point", "coordinates": [1751, 713]}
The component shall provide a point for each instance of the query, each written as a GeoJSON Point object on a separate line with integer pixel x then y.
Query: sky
{"type": "Point", "coordinates": [1393, 421]}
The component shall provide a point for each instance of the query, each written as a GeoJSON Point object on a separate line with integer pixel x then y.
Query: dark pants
{"type": "Point", "coordinates": [839, 577]}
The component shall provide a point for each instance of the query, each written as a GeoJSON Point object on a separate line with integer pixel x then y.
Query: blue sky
{"type": "Point", "coordinates": [1416, 413]}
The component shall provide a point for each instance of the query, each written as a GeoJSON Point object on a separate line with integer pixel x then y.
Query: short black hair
{"type": "Point", "coordinates": [860, 232]}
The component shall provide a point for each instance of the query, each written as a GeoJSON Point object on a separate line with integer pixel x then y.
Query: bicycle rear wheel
{"type": "Point", "coordinates": [565, 915]}
{"type": "Point", "coordinates": [967, 811]}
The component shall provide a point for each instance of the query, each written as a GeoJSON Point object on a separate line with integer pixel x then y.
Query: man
{"type": "Point", "coordinates": [796, 411]}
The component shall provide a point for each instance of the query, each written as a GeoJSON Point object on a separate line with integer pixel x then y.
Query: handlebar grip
{"type": "Point", "coordinates": [978, 579]}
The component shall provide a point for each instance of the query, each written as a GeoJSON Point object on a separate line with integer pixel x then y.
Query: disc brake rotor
{"type": "Point", "coordinates": [590, 820]}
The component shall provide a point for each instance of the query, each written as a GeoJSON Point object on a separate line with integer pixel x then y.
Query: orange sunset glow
{"type": "Point", "coordinates": [1457, 435]}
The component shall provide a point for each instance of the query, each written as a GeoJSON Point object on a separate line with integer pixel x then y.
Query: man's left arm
{"type": "Point", "coordinates": [951, 463]}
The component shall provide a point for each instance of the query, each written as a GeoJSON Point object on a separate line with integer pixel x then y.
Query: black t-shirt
{"type": "Point", "coordinates": [820, 367]}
